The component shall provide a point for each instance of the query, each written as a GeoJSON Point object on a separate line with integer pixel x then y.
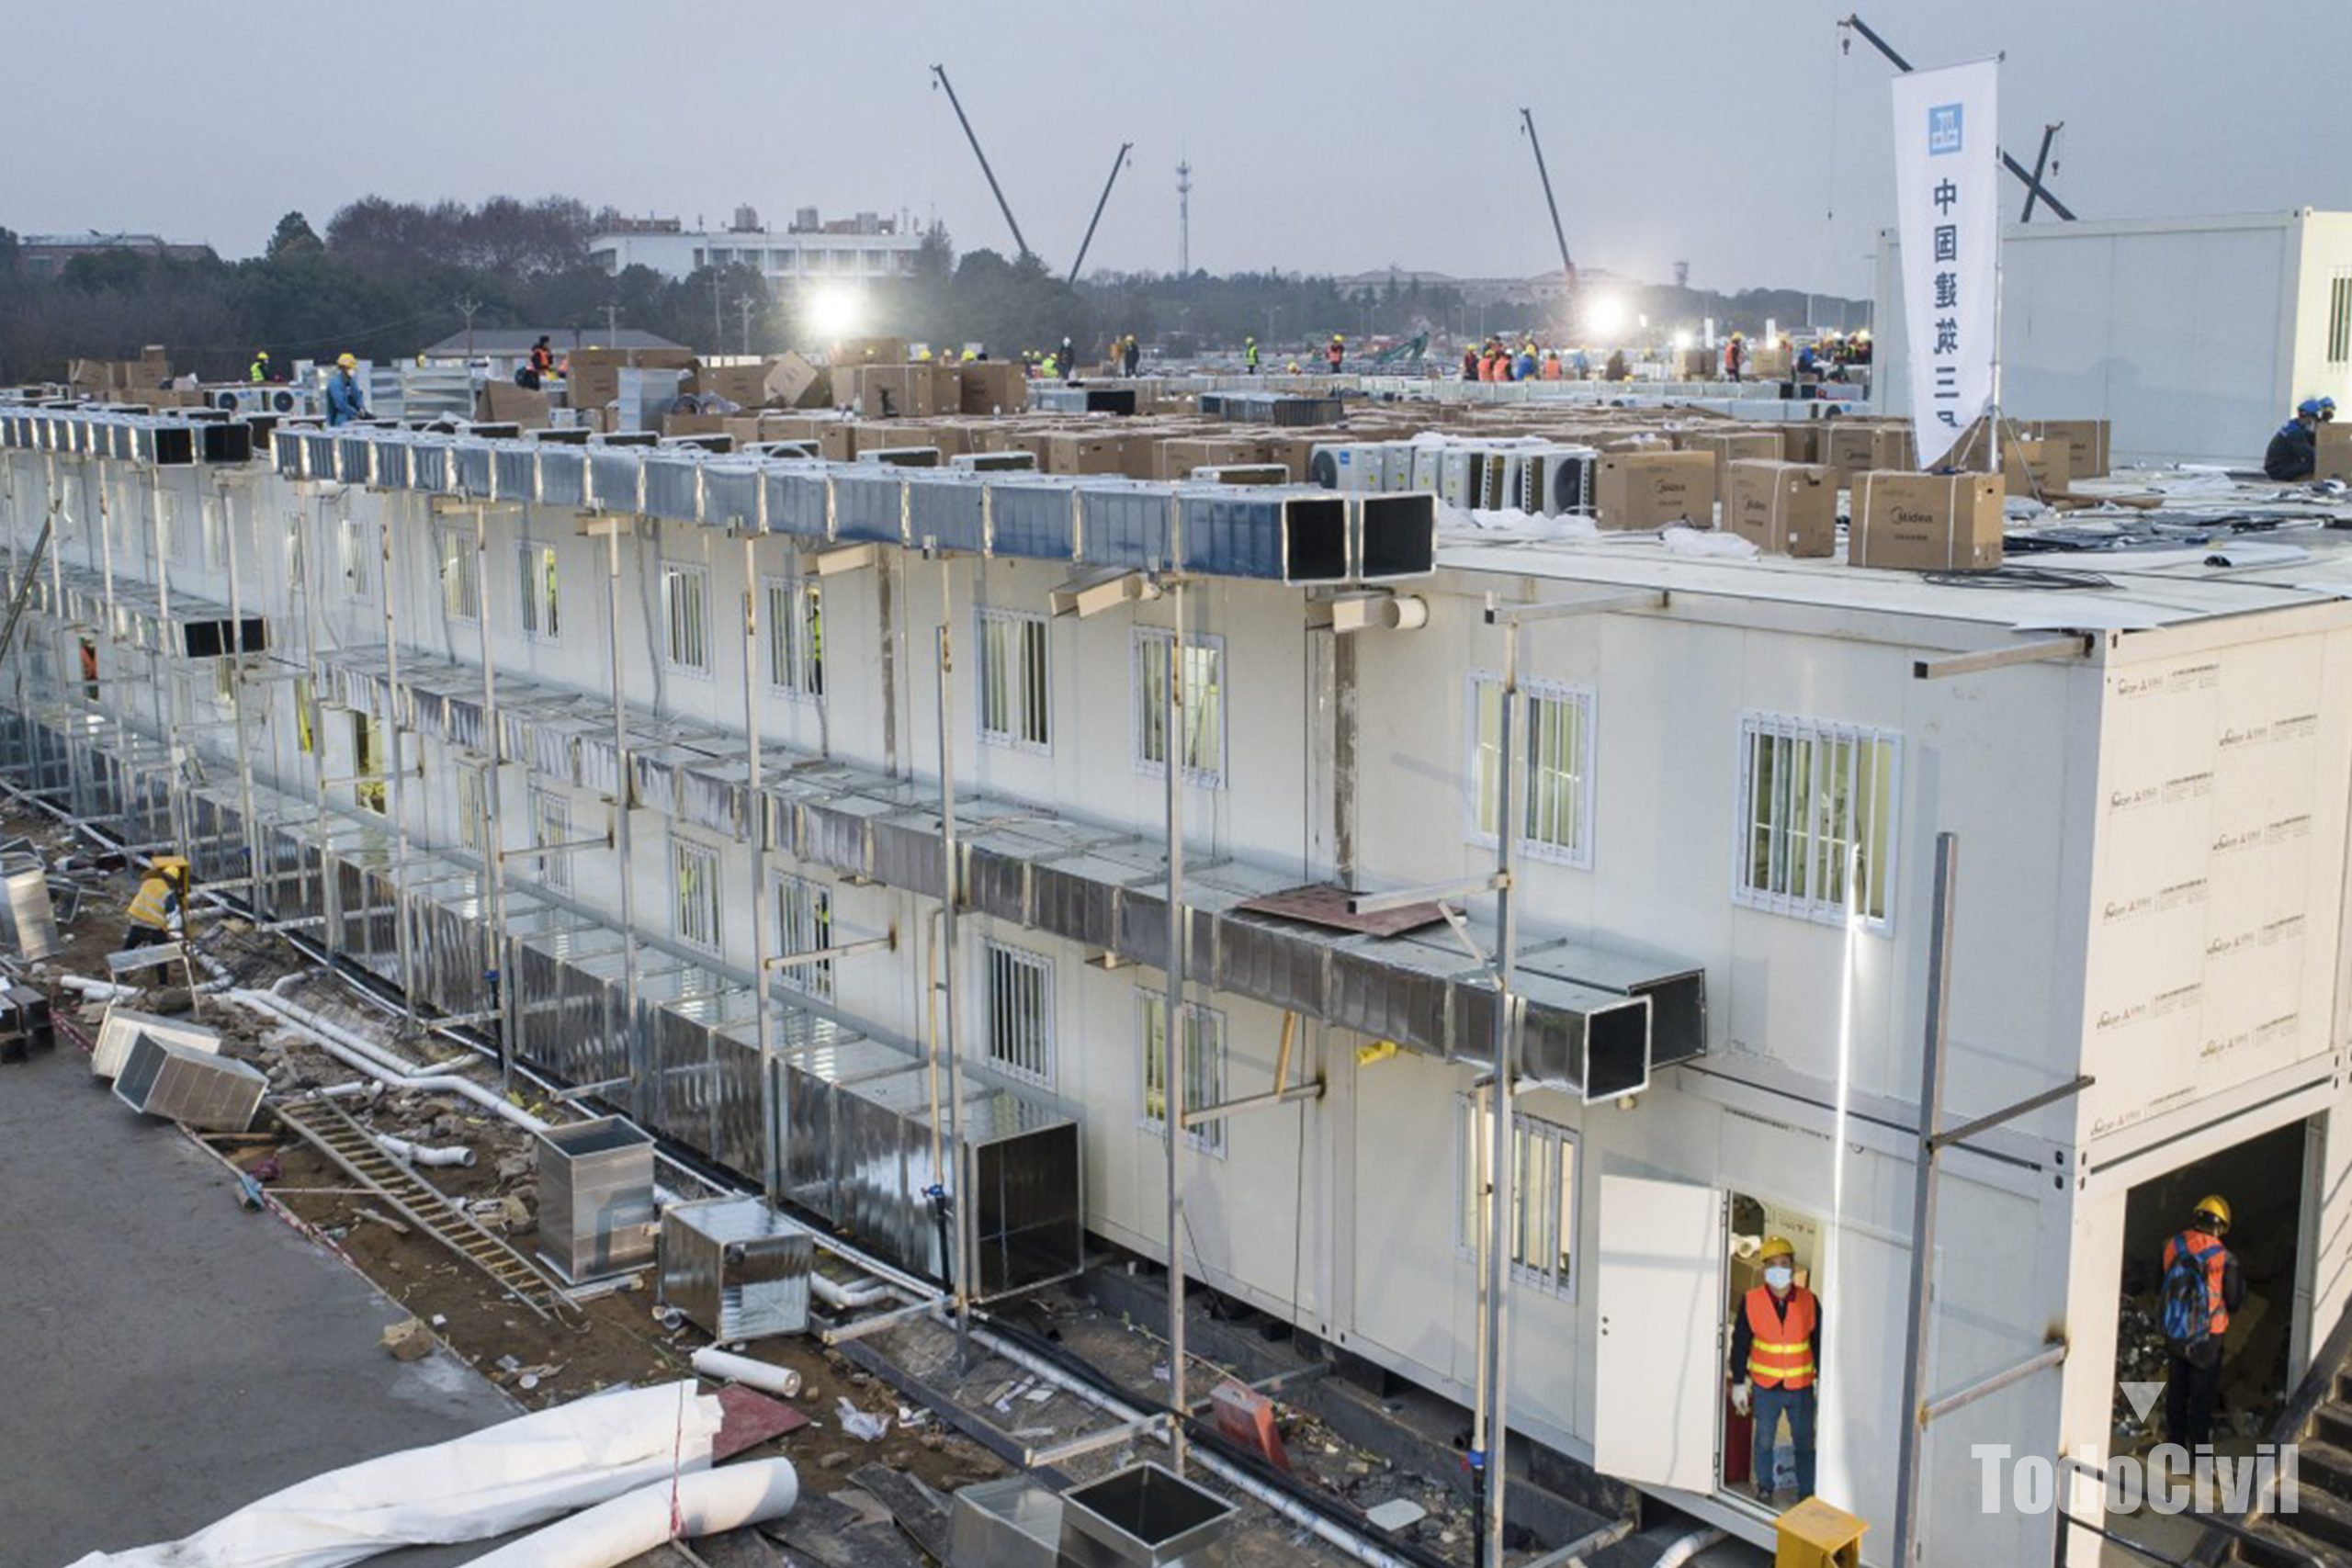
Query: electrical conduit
{"type": "Point", "coordinates": [408, 1152]}
{"type": "Point", "coordinates": [720, 1366]}
{"type": "Point", "coordinates": [705, 1502]}
{"type": "Point", "coordinates": [377, 1063]}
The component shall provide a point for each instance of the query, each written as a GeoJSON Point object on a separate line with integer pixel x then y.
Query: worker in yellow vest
{"type": "Point", "coordinates": [1776, 1365]}
{"type": "Point", "coordinates": [158, 911]}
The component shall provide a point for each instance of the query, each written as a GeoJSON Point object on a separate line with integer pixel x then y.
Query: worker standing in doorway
{"type": "Point", "coordinates": [345, 402]}
{"type": "Point", "coordinates": [2293, 452]}
{"type": "Point", "coordinates": [2202, 1286]}
{"type": "Point", "coordinates": [1775, 1366]}
{"type": "Point", "coordinates": [158, 911]}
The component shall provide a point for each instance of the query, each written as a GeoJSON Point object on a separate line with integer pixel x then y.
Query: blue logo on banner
{"type": "Point", "coordinates": [1944, 129]}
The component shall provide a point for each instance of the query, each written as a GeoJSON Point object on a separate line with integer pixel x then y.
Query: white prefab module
{"type": "Point", "coordinates": [1732, 779]}
{"type": "Point", "coordinates": [2196, 336]}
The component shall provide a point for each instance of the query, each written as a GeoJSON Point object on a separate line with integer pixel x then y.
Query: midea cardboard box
{"type": "Point", "coordinates": [1854, 449]}
{"type": "Point", "coordinates": [1730, 445]}
{"type": "Point", "coordinates": [2086, 441]}
{"type": "Point", "coordinates": [1926, 521]}
{"type": "Point", "coordinates": [1783, 509]}
{"type": "Point", "coordinates": [1649, 489]}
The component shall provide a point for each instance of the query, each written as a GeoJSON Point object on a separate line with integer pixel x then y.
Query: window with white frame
{"type": "Point", "coordinates": [351, 538]}
{"type": "Point", "coordinates": [1815, 800]}
{"type": "Point", "coordinates": [1204, 1066]}
{"type": "Point", "coordinates": [685, 617]}
{"type": "Point", "coordinates": [2339, 319]}
{"type": "Point", "coordinates": [471, 816]}
{"type": "Point", "coordinates": [795, 629]}
{"type": "Point", "coordinates": [534, 592]}
{"type": "Point", "coordinates": [1013, 691]}
{"type": "Point", "coordinates": [551, 824]}
{"type": "Point", "coordinates": [694, 894]}
{"type": "Point", "coordinates": [1542, 1224]}
{"type": "Point", "coordinates": [1020, 1000]}
{"type": "Point", "coordinates": [1204, 696]}
{"type": "Point", "coordinates": [1554, 790]}
{"type": "Point", "coordinates": [804, 923]}
{"type": "Point", "coordinates": [460, 576]}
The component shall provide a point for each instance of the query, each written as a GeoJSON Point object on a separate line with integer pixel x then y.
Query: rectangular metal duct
{"type": "Point", "coordinates": [514, 466]}
{"type": "Point", "coordinates": [907, 853]}
{"type": "Point", "coordinates": [355, 458]}
{"type": "Point", "coordinates": [672, 487]}
{"type": "Point", "coordinates": [1023, 1213]}
{"type": "Point", "coordinates": [1574, 1038]}
{"type": "Point", "coordinates": [818, 1157]}
{"type": "Point", "coordinates": [798, 501]}
{"type": "Point", "coordinates": [996, 883]}
{"type": "Point", "coordinates": [432, 467]}
{"type": "Point", "coordinates": [1676, 991]}
{"type": "Point", "coordinates": [1012, 1522]}
{"type": "Point", "coordinates": [214, 638]}
{"type": "Point", "coordinates": [563, 475]}
{"type": "Point", "coordinates": [196, 1088]}
{"type": "Point", "coordinates": [121, 1025]}
{"type": "Point", "coordinates": [1276, 536]}
{"type": "Point", "coordinates": [1271, 964]}
{"type": "Point", "coordinates": [736, 1268]}
{"type": "Point", "coordinates": [1125, 523]}
{"type": "Point", "coordinates": [163, 444]}
{"type": "Point", "coordinates": [870, 507]}
{"type": "Point", "coordinates": [1033, 519]}
{"type": "Point", "coordinates": [730, 495]}
{"type": "Point", "coordinates": [616, 480]}
{"type": "Point", "coordinates": [31, 923]}
{"type": "Point", "coordinates": [476, 472]}
{"type": "Point", "coordinates": [1395, 537]}
{"type": "Point", "coordinates": [596, 1209]}
{"type": "Point", "coordinates": [1374, 995]}
{"type": "Point", "coordinates": [950, 510]}
{"type": "Point", "coordinates": [1143, 1517]}
{"type": "Point", "coordinates": [1076, 900]}
{"type": "Point", "coordinates": [225, 441]}
{"type": "Point", "coordinates": [1045, 398]}
{"type": "Point", "coordinates": [318, 460]}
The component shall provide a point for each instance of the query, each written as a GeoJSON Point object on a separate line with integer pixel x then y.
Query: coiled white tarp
{"type": "Point", "coordinates": [502, 1478]}
{"type": "Point", "coordinates": [611, 1533]}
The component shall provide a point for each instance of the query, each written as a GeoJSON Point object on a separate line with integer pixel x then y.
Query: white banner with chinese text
{"type": "Point", "coordinates": [1946, 194]}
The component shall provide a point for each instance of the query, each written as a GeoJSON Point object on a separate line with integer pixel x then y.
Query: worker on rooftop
{"type": "Point", "coordinates": [1335, 354]}
{"type": "Point", "coordinates": [1469, 362]}
{"type": "Point", "coordinates": [1735, 356]}
{"type": "Point", "coordinates": [2201, 1287]}
{"type": "Point", "coordinates": [1250, 356]}
{"type": "Point", "coordinates": [1551, 371]}
{"type": "Point", "coordinates": [1775, 1366]}
{"type": "Point", "coordinates": [258, 371]}
{"type": "Point", "coordinates": [158, 911]}
{"type": "Point", "coordinates": [1068, 361]}
{"type": "Point", "coordinates": [1523, 367]}
{"type": "Point", "coordinates": [1134, 354]}
{"type": "Point", "coordinates": [2293, 452]}
{"type": "Point", "coordinates": [540, 366]}
{"type": "Point", "coordinates": [1616, 369]}
{"type": "Point", "coordinates": [345, 403]}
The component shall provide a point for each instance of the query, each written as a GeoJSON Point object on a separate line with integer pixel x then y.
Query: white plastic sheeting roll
{"type": "Point", "coordinates": [502, 1478]}
{"type": "Point", "coordinates": [611, 1533]}
{"type": "Point", "coordinates": [766, 1376]}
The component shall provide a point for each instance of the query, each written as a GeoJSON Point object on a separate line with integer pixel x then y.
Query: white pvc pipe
{"type": "Point", "coordinates": [1689, 1547]}
{"type": "Point", "coordinates": [377, 1063]}
{"type": "Point", "coordinates": [706, 1501]}
{"type": "Point", "coordinates": [720, 1366]}
{"type": "Point", "coordinates": [97, 991]}
{"type": "Point", "coordinates": [408, 1152]}
{"type": "Point", "coordinates": [847, 1298]}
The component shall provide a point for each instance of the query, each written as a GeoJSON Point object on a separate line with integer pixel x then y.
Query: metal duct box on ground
{"type": "Point", "coordinates": [211, 1093]}
{"type": "Point", "coordinates": [1276, 536]}
{"type": "Point", "coordinates": [1023, 1212]}
{"type": "Point", "coordinates": [121, 1026]}
{"type": "Point", "coordinates": [736, 1268]}
{"type": "Point", "coordinates": [1395, 537]}
{"type": "Point", "coordinates": [1144, 1517]}
{"type": "Point", "coordinates": [596, 1211]}
{"type": "Point", "coordinates": [818, 1154]}
{"type": "Point", "coordinates": [1009, 1523]}
{"type": "Point", "coordinates": [31, 923]}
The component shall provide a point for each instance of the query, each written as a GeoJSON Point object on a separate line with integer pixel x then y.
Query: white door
{"type": "Point", "coordinates": [1659, 1379]}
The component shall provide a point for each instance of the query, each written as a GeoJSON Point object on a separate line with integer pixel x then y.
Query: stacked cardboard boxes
{"type": "Point", "coordinates": [1783, 509]}
{"type": "Point", "coordinates": [1910, 522]}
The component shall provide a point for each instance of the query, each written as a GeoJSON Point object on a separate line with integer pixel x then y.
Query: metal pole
{"type": "Point", "coordinates": [623, 845]}
{"type": "Point", "coordinates": [940, 72]}
{"type": "Point", "coordinates": [949, 1038]}
{"type": "Point", "coordinates": [1118, 162]}
{"type": "Point", "coordinates": [1172, 1067]}
{"type": "Point", "coordinates": [237, 707]}
{"type": "Point", "coordinates": [2041, 164]}
{"type": "Point", "coordinates": [772, 1101]}
{"type": "Point", "coordinates": [1923, 1205]}
{"type": "Point", "coordinates": [329, 895]}
{"type": "Point", "coordinates": [398, 768]}
{"type": "Point", "coordinates": [1488, 1458]}
{"type": "Point", "coordinates": [1568, 267]}
{"type": "Point", "coordinates": [2032, 181]}
{"type": "Point", "coordinates": [493, 835]}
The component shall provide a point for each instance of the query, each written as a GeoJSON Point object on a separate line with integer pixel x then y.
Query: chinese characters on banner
{"type": "Point", "coordinates": [1946, 191]}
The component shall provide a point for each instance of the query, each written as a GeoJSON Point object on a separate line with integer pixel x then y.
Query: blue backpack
{"type": "Point", "coordinates": [2187, 1300]}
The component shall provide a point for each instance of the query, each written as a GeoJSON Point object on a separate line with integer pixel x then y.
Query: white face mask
{"type": "Point", "coordinates": [1779, 1279]}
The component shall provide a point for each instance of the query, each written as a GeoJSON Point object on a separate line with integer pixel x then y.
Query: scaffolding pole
{"type": "Point", "coordinates": [330, 894]}
{"type": "Point", "coordinates": [946, 1040]}
{"type": "Point", "coordinates": [399, 766]}
{"type": "Point", "coordinates": [1490, 1438]}
{"type": "Point", "coordinates": [237, 711]}
{"type": "Point", "coordinates": [773, 1103]}
{"type": "Point", "coordinates": [1171, 1074]}
{"type": "Point", "coordinates": [623, 841]}
{"type": "Point", "coordinates": [494, 828]}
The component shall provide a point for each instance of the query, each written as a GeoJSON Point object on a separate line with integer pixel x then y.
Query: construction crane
{"type": "Point", "coordinates": [1118, 162]}
{"type": "Point", "coordinates": [2042, 164]}
{"type": "Point", "coordinates": [1568, 267]}
{"type": "Point", "coordinates": [2035, 189]}
{"type": "Point", "coordinates": [939, 79]}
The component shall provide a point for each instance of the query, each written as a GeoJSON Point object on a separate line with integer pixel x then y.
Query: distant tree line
{"type": "Point", "coordinates": [388, 278]}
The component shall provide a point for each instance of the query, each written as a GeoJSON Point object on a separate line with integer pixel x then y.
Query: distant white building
{"type": "Point", "coordinates": [864, 249]}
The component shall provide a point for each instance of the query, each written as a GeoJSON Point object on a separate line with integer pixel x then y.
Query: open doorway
{"type": "Point", "coordinates": [1753, 1221]}
{"type": "Point", "coordinates": [2263, 1181]}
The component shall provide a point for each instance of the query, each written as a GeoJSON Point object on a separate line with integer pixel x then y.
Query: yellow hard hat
{"type": "Point", "coordinates": [1776, 1247]}
{"type": "Point", "coordinates": [347, 362]}
{"type": "Point", "coordinates": [2216, 1205]}
{"type": "Point", "coordinates": [169, 865]}
{"type": "Point", "coordinates": [261, 354]}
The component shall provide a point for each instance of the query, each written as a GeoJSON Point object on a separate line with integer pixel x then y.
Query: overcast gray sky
{"type": "Point", "coordinates": [1323, 137]}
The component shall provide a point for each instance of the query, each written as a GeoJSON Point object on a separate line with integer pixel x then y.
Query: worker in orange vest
{"type": "Point", "coordinates": [1776, 1365]}
{"type": "Point", "coordinates": [1551, 365]}
{"type": "Point", "coordinates": [2202, 1285]}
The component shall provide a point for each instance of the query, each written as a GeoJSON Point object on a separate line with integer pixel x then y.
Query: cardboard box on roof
{"type": "Point", "coordinates": [1730, 445]}
{"type": "Point", "coordinates": [1700, 364]}
{"type": "Point", "coordinates": [1801, 441]}
{"type": "Point", "coordinates": [1649, 489]}
{"type": "Point", "coordinates": [1909, 522]}
{"type": "Point", "coordinates": [2086, 441]}
{"type": "Point", "coordinates": [694, 424]}
{"type": "Point", "coordinates": [742, 385]}
{"type": "Point", "coordinates": [789, 381]}
{"type": "Point", "coordinates": [2333, 451]}
{"type": "Point", "coordinates": [504, 402]}
{"type": "Point", "coordinates": [991, 386]}
{"type": "Point", "coordinates": [1783, 509]}
{"type": "Point", "coordinates": [1852, 446]}
{"type": "Point", "coordinates": [856, 351]}
{"type": "Point", "coordinates": [837, 441]}
{"type": "Point", "coordinates": [2034, 468]}
{"type": "Point", "coordinates": [900, 391]}
{"type": "Point", "coordinates": [1085, 452]}
{"type": "Point", "coordinates": [1179, 455]}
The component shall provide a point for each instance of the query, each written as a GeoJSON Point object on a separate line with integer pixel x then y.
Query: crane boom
{"type": "Point", "coordinates": [940, 74]}
{"type": "Point", "coordinates": [1118, 162]}
{"type": "Point", "coordinates": [1527, 122]}
{"type": "Point", "coordinates": [2032, 180]}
